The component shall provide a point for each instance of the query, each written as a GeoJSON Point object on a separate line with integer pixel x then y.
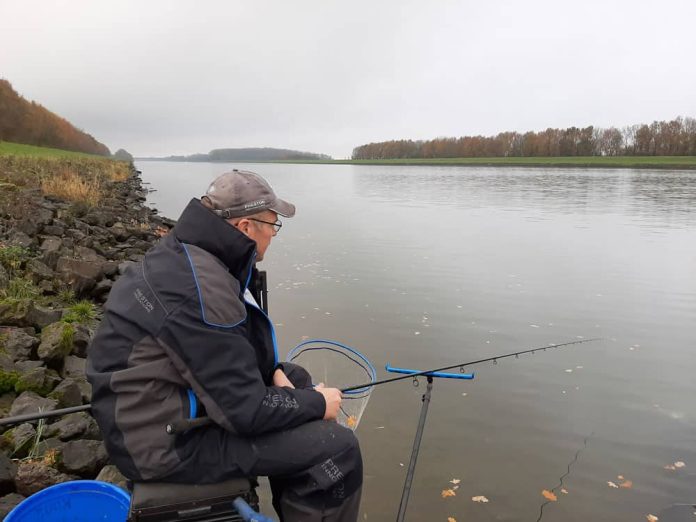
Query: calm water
{"type": "Point", "coordinates": [428, 266]}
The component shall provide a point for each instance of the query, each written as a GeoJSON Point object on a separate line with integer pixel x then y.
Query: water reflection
{"type": "Point", "coordinates": [668, 196]}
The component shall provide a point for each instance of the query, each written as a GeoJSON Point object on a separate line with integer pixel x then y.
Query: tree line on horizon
{"type": "Point", "coordinates": [251, 154]}
{"type": "Point", "coordinates": [661, 138]}
{"type": "Point", "coordinates": [29, 123]}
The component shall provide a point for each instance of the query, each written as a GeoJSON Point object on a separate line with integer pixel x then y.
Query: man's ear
{"type": "Point", "coordinates": [243, 226]}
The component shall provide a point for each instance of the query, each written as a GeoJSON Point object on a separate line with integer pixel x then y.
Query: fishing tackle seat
{"type": "Point", "coordinates": [167, 502]}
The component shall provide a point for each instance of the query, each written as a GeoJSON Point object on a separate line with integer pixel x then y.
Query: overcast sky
{"type": "Point", "coordinates": [178, 77]}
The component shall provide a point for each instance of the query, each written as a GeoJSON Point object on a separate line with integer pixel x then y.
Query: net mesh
{"type": "Point", "coordinates": [338, 366]}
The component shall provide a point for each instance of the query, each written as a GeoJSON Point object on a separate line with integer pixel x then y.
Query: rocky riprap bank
{"type": "Point", "coordinates": [62, 253]}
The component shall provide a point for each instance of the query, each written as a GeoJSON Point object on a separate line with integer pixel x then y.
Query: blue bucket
{"type": "Point", "coordinates": [76, 501]}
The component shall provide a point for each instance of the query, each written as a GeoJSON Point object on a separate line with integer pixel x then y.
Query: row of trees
{"type": "Point", "coordinates": [27, 122]}
{"type": "Point", "coordinates": [660, 138]}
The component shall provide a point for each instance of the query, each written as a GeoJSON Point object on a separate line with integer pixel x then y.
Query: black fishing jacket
{"type": "Point", "coordinates": [178, 335]}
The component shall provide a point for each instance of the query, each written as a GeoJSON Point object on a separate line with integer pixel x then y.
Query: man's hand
{"type": "Point", "coordinates": [281, 380]}
{"type": "Point", "coordinates": [333, 398]}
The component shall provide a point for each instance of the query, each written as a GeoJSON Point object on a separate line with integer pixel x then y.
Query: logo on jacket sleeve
{"type": "Point", "coordinates": [140, 297]}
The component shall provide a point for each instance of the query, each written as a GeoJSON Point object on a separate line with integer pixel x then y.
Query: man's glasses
{"type": "Point", "coordinates": [276, 225]}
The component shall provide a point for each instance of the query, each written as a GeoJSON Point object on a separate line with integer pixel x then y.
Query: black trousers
{"type": "Point", "coordinates": [315, 469]}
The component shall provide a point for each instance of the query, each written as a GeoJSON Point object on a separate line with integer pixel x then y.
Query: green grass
{"type": "Point", "coordinates": [17, 149]}
{"type": "Point", "coordinates": [632, 162]}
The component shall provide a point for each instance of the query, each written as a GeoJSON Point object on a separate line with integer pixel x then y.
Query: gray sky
{"type": "Point", "coordinates": [175, 77]}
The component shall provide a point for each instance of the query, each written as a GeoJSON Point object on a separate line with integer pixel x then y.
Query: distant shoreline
{"type": "Point", "coordinates": [611, 162]}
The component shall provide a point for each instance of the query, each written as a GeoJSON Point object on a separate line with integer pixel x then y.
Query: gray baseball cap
{"type": "Point", "coordinates": [242, 193]}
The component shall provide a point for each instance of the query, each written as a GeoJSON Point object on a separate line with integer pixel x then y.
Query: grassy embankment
{"type": "Point", "coordinates": [73, 176]}
{"type": "Point", "coordinates": [615, 162]}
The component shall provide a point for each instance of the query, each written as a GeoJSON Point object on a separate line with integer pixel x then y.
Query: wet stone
{"type": "Point", "coordinates": [17, 344]}
{"type": "Point", "coordinates": [8, 503]}
{"type": "Point", "coordinates": [34, 476]}
{"type": "Point", "coordinates": [83, 457]}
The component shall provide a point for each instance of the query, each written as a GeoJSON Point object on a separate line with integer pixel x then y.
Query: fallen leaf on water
{"type": "Point", "coordinates": [670, 467]}
{"type": "Point", "coordinates": [451, 519]}
{"type": "Point", "coordinates": [679, 464]}
{"type": "Point", "coordinates": [351, 421]}
{"type": "Point", "coordinates": [620, 477]}
{"type": "Point", "coordinates": [479, 498]}
{"type": "Point", "coordinates": [455, 488]}
{"type": "Point", "coordinates": [455, 481]}
{"type": "Point", "coordinates": [652, 518]}
{"type": "Point", "coordinates": [628, 484]}
{"type": "Point", "coordinates": [448, 493]}
{"type": "Point", "coordinates": [564, 491]}
{"type": "Point", "coordinates": [612, 484]}
{"type": "Point", "coordinates": [548, 495]}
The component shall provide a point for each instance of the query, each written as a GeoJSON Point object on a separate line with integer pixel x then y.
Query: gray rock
{"type": "Point", "coordinates": [87, 254]}
{"type": "Point", "coordinates": [40, 380]}
{"type": "Point", "coordinates": [34, 221]}
{"type": "Point", "coordinates": [76, 425]}
{"type": "Point", "coordinates": [67, 393]}
{"type": "Point", "coordinates": [112, 475]}
{"type": "Point", "coordinates": [51, 244]}
{"type": "Point", "coordinates": [17, 344]}
{"type": "Point", "coordinates": [8, 471]}
{"type": "Point", "coordinates": [25, 312]}
{"type": "Point", "coordinates": [102, 289]}
{"type": "Point", "coordinates": [118, 230]}
{"type": "Point", "coordinates": [6, 400]}
{"type": "Point", "coordinates": [74, 368]}
{"type": "Point", "coordinates": [38, 271]}
{"type": "Point", "coordinates": [82, 457]}
{"type": "Point", "coordinates": [80, 274]}
{"type": "Point", "coordinates": [19, 440]}
{"type": "Point", "coordinates": [49, 448]}
{"type": "Point", "coordinates": [4, 278]}
{"type": "Point", "coordinates": [54, 230]}
{"type": "Point", "coordinates": [40, 317]}
{"type": "Point", "coordinates": [8, 503]}
{"type": "Point", "coordinates": [30, 402]}
{"type": "Point", "coordinates": [6, 363]}
{"type": "Point", "coordinates": [20, 239]}
{"type": "Point", "coordinates": [34, 476]}
{"type": "Point", "coordinates": [110, 268]}
{"type": "Point", "coordinates": [81, 339]}
{"type": "Point", "coordinates": [56, 341]}
{"type": "Point", "coordinates": [27, 366]}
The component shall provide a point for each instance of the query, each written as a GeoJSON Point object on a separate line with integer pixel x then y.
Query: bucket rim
{"type": "Point", "coordinates": [72, 486]}
{"type": "Point", "coordinates": [372, 372]}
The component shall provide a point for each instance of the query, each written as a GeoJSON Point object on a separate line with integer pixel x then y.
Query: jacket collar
{"type": "Point", "coordinates": [200, 227]}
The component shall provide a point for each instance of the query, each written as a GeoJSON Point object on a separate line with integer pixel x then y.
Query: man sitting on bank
{"type": "Point", "coordinates": [182, 335]}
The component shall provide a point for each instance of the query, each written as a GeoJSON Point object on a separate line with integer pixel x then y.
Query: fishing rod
{"type": "Point", "coordinates": [185, 424]}
{"type": "Point", "coordinates": [181, 425]}
{"type": "Point", "coordinates": [461, 366]}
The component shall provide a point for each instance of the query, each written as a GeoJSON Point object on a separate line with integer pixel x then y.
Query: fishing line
{"type": "Point", "coordinates": [560, 483]}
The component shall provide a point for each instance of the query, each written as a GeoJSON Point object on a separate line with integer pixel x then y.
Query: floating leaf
{"type": "Point", "coordinates": [679, 464]}
{"type": "Point", "coordinates": [627, 484]}
{"type": "Point", "coordinates": [448, 493]}
{"type": "Point", "coordinates": [455, 481]}
{"type": "Point", "coordinates": [652, 518]}
{"type": "Point", "coordinates": [351, 421]}
{"type": "Point", "coordinates": [455, 488]}
{"type": "Point", "coordinates": [670, 467]}
{"type": "Point", "coordinates": [612, 484]}
{"type": "Point", "coordinates": [548, 495]}
{"type": "Point", "coordinates": [564, 491]}
{"type": "Point", "coordinates": [620, 477]}
{"type": "Point", "coordinates": [451, 519]}
{"type": "Point", "coordinates": [479, 498]}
